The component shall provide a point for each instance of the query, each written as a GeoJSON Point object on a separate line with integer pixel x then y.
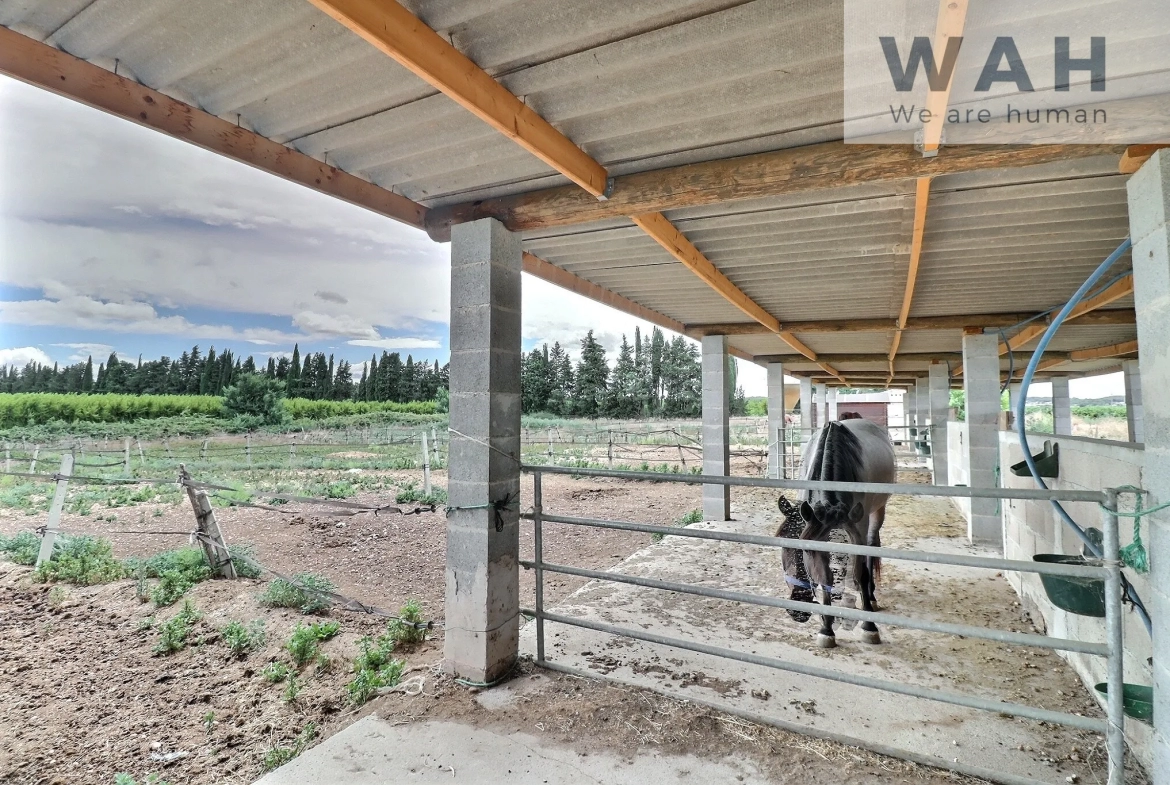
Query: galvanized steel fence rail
{"type": "Point", "coordinates": [1107, 570]}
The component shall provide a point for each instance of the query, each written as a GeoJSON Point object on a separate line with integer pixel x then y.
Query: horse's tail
{"type": "Point", "coordinates": [877, 570]}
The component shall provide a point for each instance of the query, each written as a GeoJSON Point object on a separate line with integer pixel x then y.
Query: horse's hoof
{"type": "Point", "coordinates": [870, 636]}
{"type": "Point", "coordinates": [826, 641]}
{"type": "Point", "coordinates": [800, 616]}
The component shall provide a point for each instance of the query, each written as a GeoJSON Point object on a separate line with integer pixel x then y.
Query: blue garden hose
{"type": "Point", "coordinates": [1021, 410]}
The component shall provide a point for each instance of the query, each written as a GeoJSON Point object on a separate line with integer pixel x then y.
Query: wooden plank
{"type": "Point", "coordinates": [921, 199]}
{"type": "Point", "coordinates": [1116, 291]}
{"type": "Point", "coordinates": [914, 323]}
{"type": "Point", "coordinates": [211, 538]}
{"type": "Point", "coordinates": [952, 18]}
{"type": "Point", "coordinates": [795, 170]}
{"type": "Point", "coordinates": [1112, 350]}
{"type": "Point", "coordinates": [43, 66]}
{"type": "Point", "coordinates": [50, 535]}
{"type": "Point", "coordinates": [398, 33]}
{"type": "Point", "coordinates": [1137, 154]}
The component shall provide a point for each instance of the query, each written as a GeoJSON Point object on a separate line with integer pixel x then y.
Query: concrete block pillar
{"type": "Point", "coordinates": [922, 397]}
{"type": "Point", "coordinates": [1133, 401]}
{"type": "Point", "coordinates": [716, 428]}
{"type": "Point", "coordinates": [831, 404]}
{"type": "Point", "coordinates": [939, 383]}
{"type": "Point", "coordinates": [483, 599]}
{"type": "Point", "coordinates": [909, 415]}
{"type": "Point", "coordinates": [775, 417]}
{"type": "Point", "coordinates": [806, 407]}
{"type": "Point", "coordinates": [1061, 407]}
{"type": "Point", "coordinates": [1149, 217]}
{"type": "Point", "coordinates": [981, 384]}
{"type": "Point", "coordinates": [822, 406]}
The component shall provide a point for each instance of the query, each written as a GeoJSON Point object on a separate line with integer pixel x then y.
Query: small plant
{"type": "Point", "coordinates": [21, 548]}
{"type": "Point", "coordinates": [302, 646]}
{"type": "Point", "coordinates": [126, 779]}
{"type": "Point", "coordinates": [172, 634]}
{"type": "Point", "coordinates": [694, 516]}
{"type": "Point", "coordinates": [275, 672]}
{"type": "Point", "coordinates": [374, 668]}
{"type": "Point", "coordinates": [292, 688]}
{"type": "Point", "coordinates": [409, 627]}
{"type": "Point", "coordinates": [278, 756]}
{"type": "Point", "coordinates": [340, 490]}
{"type": "Point", "coordinates": [243, 558]}
{"type": "Point", "coordinates": [410, 494]}
{"type": "Point", "coordinates": [308, 592]}
{"type": "Point", "coordinates": [176, 570]}
{"type": "Point", "coordinates": [82, 560]}
{"type": "Point", "coordinates": [241, 639]}
{"type": "Point", "coordinates": [209, 721]}
{"type": "Point", "coordinates": [57, 596]}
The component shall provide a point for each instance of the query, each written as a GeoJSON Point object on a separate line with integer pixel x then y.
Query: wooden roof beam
{"type": "Point", "coordinates": [396, 32]}
{"type": "Point", "coordinates": [913, 324]}
{"type": "Point", "coordinates": [58, 72]}
{"type": "Point", "coordinates": [1136, 155]}
{"type": "Point", "coordinates": [1122, 288]}
{"type": "Point", "coordinates": [921, 198]}
{"type": "Point", "coordinates": [795, 170]}
{"type": "Point", "coordinates": [1099, 352]}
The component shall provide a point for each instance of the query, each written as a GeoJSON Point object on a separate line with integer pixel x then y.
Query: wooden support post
{"type": "Point", "coordinates": [46, 551]}
{"type": "Point", "coordinates": [203, 451]}
{"type": "Point", "coordinates": [141, 457]}
{"type": "Point", "coordinates": [126, 456]}
{"type": "Point", "coordinates": [248, 447]}
{"type": "Point", "coordinates": [32, 467]}
{"type": "Point", "coordinates": [682, 457]}
{"type": "Point", "coordinates": [426, 465]}
{"type": "Point", "coordinates": [211, 539]}
{"type": "Point", "coordinates": [609, 452]}
{"type": "Point", "coordinates": [8, 456]}
{"type": "Point", "coordinates": [292, 448]}
{"type": "Point", "coordinates": [434, 445]}
{"type": "Point", "coordinates": [167, 444]}
{"type": "Point", "coordinates": [550, 449]}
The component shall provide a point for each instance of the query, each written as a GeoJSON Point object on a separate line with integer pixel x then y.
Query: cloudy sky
{"type": "Point", "coordinates": [116, 237]}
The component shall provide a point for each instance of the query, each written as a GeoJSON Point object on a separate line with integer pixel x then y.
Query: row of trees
{"type": "Point", "coordinates": [316, 376]}
{"type": "Point", "coordinates": [653, 377]}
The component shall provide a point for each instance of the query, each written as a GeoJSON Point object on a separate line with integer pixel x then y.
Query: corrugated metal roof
{"type": "Point", "coordinates": [638, 85]}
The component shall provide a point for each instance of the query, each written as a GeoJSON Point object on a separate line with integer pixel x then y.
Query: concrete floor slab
{"type": "Point", "coordinates": [374, 752]}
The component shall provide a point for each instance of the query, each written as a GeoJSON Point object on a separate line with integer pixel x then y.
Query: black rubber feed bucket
{"type": "Point", "coordinates": [1137, 700]}
{"type": "Point", "coordinates": [1082, 596]}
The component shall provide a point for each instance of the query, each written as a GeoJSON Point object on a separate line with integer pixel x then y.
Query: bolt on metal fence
{"type": "Point", "coordinates": [1107, 570]}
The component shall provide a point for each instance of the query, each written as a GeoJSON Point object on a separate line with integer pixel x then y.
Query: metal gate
{"type": "Point", "coordinates": [1109, 571]}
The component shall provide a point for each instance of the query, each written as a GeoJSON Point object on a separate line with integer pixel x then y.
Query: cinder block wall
{"type": "Point", "coordinates": [1035, 527]}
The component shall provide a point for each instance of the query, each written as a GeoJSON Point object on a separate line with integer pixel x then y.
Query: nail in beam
{"type": "Point", "coordinates": [483, 604]}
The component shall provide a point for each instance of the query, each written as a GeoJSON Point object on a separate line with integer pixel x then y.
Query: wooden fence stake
{"type": "Point", "coordinates": [550, 450]}
{"type": "Point", "coordinates": [203, 451]}
{"type": "Point", "coordinates": [167, 444]}
{"type": "Point", "coordinates": [292, 448]}
{"type": "Point", "coordinates": [126, 456]}
{"type": "Point", "coordinates": [248, 447]}
{"type": "Point", "coordinates": [7, 456]}
{"type": "Point", "coordinates": [141, 457]}
{"type": "Point", "coordinates": [609, 452]}
{"type": "Point", "coordinates": [214, 546]}
{"type": "Point", "coordinates": [682, 457]}
{"type": "Point", "coordinates": [32, 467]}
{"type": "Point", "coordinates": [426, 465]}
{"type": "Point", "coordinates": [46, 551]}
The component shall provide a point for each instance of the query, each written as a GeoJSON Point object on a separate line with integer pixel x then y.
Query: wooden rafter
{"type": "Point", "coordinates": [921, 198]}
{"type": "Point", "coordinates": [1136, 155]}
{"type": "Point", "coordinates": [914, 323]}
{"type": "Point", "coordinates": [669, 237]}
{"type": "Point", "coordinates": [795, 170]}
{"type": "Point", "coordinates": [1116, 291]}
{"type": "Point", "coordinates": [875, 358]}
{"type": "Point", "coordinates": [396, 32]}
{"type": "Point", "coordinates": [1099, 352]}
{"type": "Point", "coordinates": [952, 18]}
{"type": "Point", "coordinates": [403, 36]}
{"type": "Point", "coordinates": [51, 69]}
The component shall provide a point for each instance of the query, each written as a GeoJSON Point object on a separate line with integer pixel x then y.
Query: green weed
{"type": "Point", "coordinates": [125, 779]}
{"type": "Point", "coordinates": [278, 756]}
{"type": "Point", "coordinates": [694, 516]}
{"type": "Point", "coordinates": [302, 646]}
{"type": "Point", "coordinates": [406, 629]}
{"type": "Point", "coordinates": [243, 558]}
{"type": "Point", "coordinates": [275, 672]}
{"type": "Point", "coordinates": [172, 634]}
{"type": "Point", "coordinates": [292, 688]}
{"type": "Point", "coordinates": [82, 560]}
{"type": "Point", "coordinates": [241, 639]}
{"type": "Point", "coordinates": [21, 548]}
{"type": "Point", "coordinates": [306, 591]}
{"type": "Point", "coordinates": [374, 668]}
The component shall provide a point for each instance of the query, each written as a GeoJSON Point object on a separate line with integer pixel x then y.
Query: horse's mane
{"type": "Point", "coordinates": [837, 458]}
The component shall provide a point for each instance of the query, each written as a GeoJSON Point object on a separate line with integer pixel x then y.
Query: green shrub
{"type": "Point", "coordinates": [406, 629]}
{"type": "Point", "coordinates": [176, 570]}
{"type": "Point", "coordinates": [172, 634]}
{"type": "Point", "coordinates": [275, 672]}
{"type": "Point", "coordinates": [302, 646]}
{"type": "Point", "coordinates": [241, 639]}
{"type": "Point", "coordinates": [411, 494]}
{"type": "Point", "coordinates": [340, 490]}
{"type": "Point", "coordinates": [82, 560]}
{"type": "Point", "coordinates": [21, 548]}
{"type": "Point", "coordinates": [306, 591]}
{"type": "Point", "coordinates": [255, 395]}
{"type": "Point", "coordinates": [374, 668]}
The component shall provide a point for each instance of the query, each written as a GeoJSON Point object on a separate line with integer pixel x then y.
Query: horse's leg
{"type": "Point", "coordinates": [863, 574]}
{"type": "Point", "coordinates": [826, 638]}
{"type": "Point", "coordinates": [874, 539]}
{"type": "Point", "coordinates": [822, 575]}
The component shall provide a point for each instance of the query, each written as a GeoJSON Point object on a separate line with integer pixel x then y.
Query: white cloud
{"type": "Point", "coordinates": [398, 343]}
{"type": "Point", "coordinates": [19, 357]}
{"type": "Point", "coordinates": [85, 350]}
{"type": "Point", "coordinates": [334, 326]}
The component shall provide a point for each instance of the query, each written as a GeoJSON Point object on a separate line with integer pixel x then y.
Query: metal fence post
{"type": "Point", "coordinates": [46, 551]}
{"type": "Point", "coordinates": [538, 550]}
{"type": "Point", "coordinates": [1115, 676]}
